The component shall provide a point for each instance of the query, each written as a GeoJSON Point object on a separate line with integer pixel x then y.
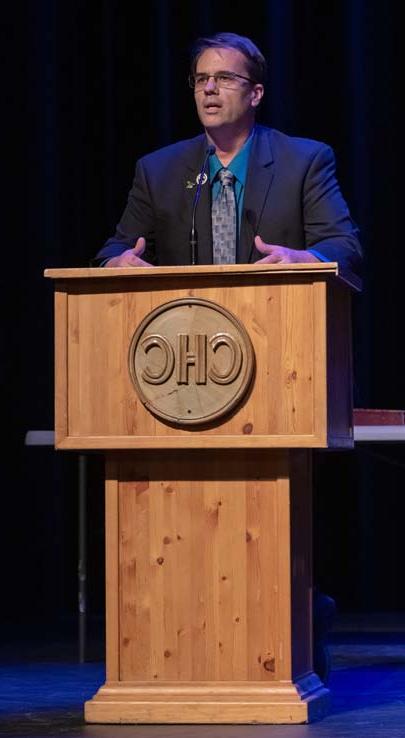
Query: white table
{"type": "Point", "coordinates": [379, 433]}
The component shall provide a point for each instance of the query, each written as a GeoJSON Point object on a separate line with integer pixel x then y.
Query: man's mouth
{"type": "Point", "coordinates": [212, 107]}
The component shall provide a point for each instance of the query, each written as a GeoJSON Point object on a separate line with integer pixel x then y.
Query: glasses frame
{"type": "Point", "coordinates": [191, 78]}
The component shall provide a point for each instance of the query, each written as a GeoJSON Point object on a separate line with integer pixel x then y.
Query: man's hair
{"type": "Point", "coordinates": [255, 60]}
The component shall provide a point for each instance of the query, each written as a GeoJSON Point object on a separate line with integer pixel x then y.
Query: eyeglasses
{"type": "Point", "coordinates": [229, 80]}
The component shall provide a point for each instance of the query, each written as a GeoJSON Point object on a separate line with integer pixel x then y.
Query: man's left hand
{"type": "Point", "coordinates": [274, 254]}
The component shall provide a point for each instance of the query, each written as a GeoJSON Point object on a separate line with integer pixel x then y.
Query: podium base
{"type": "Point", "coordinates": [209, 703]}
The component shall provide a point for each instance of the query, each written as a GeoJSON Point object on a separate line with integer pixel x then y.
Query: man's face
{"type": "Point", "coordinates": [220, 107]}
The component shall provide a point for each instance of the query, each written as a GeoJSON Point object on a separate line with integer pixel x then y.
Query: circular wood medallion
{"type": "Point", "coordinates": [191, 361]}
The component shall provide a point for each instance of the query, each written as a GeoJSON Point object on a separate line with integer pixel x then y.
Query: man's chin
{"type": "Point", "coordinates": [212, 122]}
{"type": "Point", "coordinates": [215, 117]}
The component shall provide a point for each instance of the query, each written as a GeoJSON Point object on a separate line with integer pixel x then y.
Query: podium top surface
{"type": "Point", "coordinates": [317, 268]}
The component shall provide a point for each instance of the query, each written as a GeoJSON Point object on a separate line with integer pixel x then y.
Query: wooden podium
{"type": "Point", "coordinates": [208, 520]}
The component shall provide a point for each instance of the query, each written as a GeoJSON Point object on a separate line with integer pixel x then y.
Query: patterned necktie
{"type": "Point", "coordinates": [223, 218]}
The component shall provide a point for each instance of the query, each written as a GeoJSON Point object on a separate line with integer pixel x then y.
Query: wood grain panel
{"type": "Point", "coordinates": [190, 272]}
{"type": "Point", "coordinates": [204, 567]}
{"type": "Point", "coordinates": [285, 330]}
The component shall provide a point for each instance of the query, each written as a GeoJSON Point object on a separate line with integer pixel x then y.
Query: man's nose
{"type": "Point", "coordinates": [211, 84]}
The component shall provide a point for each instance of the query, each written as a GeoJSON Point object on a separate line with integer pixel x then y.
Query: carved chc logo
{"type": "Point", "coordinates": [191, 361]}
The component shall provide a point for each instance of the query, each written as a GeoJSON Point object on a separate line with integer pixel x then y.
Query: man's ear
{"type": "Point", "coordinates": [257, 94]}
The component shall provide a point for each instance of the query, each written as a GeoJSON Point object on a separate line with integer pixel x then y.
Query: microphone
{"type": "Point", "coordinates": [193, 232]}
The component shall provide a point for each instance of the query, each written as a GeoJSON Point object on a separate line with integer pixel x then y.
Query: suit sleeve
{"type": "Point", "coordinates": [138, 219]}
{"type": "Point", "coordinates": [329, 228]}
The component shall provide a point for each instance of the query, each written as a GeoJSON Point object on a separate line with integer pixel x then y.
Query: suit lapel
{"type": "Point", "coordinates": [258, 182]}
{"type": "Point", "coordinates": [203, 212]}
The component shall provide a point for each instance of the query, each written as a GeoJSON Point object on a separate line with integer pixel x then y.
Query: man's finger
{"type": "Point", "coordinates": [134, 260]}
{"type": "Point", "coordinates": [261, 246]}
{"type": "Point", "coordinates": [140, 246]}
{"type": "Point", "coordinates": [269, 259]}
{"type": "Point", "coordinates": [266, 248]}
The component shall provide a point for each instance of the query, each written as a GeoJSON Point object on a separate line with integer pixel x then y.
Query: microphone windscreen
{"type": "Point", "coordinates": [210, 150]}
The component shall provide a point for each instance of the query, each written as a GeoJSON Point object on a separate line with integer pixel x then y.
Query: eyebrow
{"type": "Point", "coordinates": [220, 71]}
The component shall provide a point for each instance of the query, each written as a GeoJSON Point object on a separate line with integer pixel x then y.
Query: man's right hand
{"type": "Point", "coordinates": [130, 257]}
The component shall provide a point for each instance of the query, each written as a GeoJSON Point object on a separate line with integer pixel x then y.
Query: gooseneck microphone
{"type": "Point", "coordinates": [193, 232]}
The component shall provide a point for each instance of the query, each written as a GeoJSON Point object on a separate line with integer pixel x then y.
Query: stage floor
{"type": "Point", "coordinates": [42, 690]}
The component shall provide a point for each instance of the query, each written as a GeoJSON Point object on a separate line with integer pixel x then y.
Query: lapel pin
{"type": "Point", "coordinates": [203, 180]}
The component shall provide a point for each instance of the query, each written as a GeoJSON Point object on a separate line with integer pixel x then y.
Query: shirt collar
{"type": "Point", "coordinates": [238, 165]}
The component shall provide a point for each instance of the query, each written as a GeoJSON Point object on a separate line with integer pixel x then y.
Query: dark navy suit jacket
{"type": "Point", "coordinates": [292, 198]}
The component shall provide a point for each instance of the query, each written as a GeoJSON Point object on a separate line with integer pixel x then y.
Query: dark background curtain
{"type": "Point", "coordinates": [88, 88]}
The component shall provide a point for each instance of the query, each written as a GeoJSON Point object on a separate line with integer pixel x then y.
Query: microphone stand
{"type": "Point", "coordinates": [193, 231]}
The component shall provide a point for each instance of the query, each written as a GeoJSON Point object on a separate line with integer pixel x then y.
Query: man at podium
{"type": "Point", "coordinates": [239, 192]}
{"type": "Point", "coordinates": [207, 403]}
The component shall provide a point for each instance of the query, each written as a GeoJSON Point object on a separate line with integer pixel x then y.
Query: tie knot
{"type": "Point", "coordinates": [226, 177]}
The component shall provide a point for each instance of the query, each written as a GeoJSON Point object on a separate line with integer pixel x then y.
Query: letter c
{"type": "Point", "coordinates": [165, 369]}
{"type": "Point", "coordinates": [230, 374]}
